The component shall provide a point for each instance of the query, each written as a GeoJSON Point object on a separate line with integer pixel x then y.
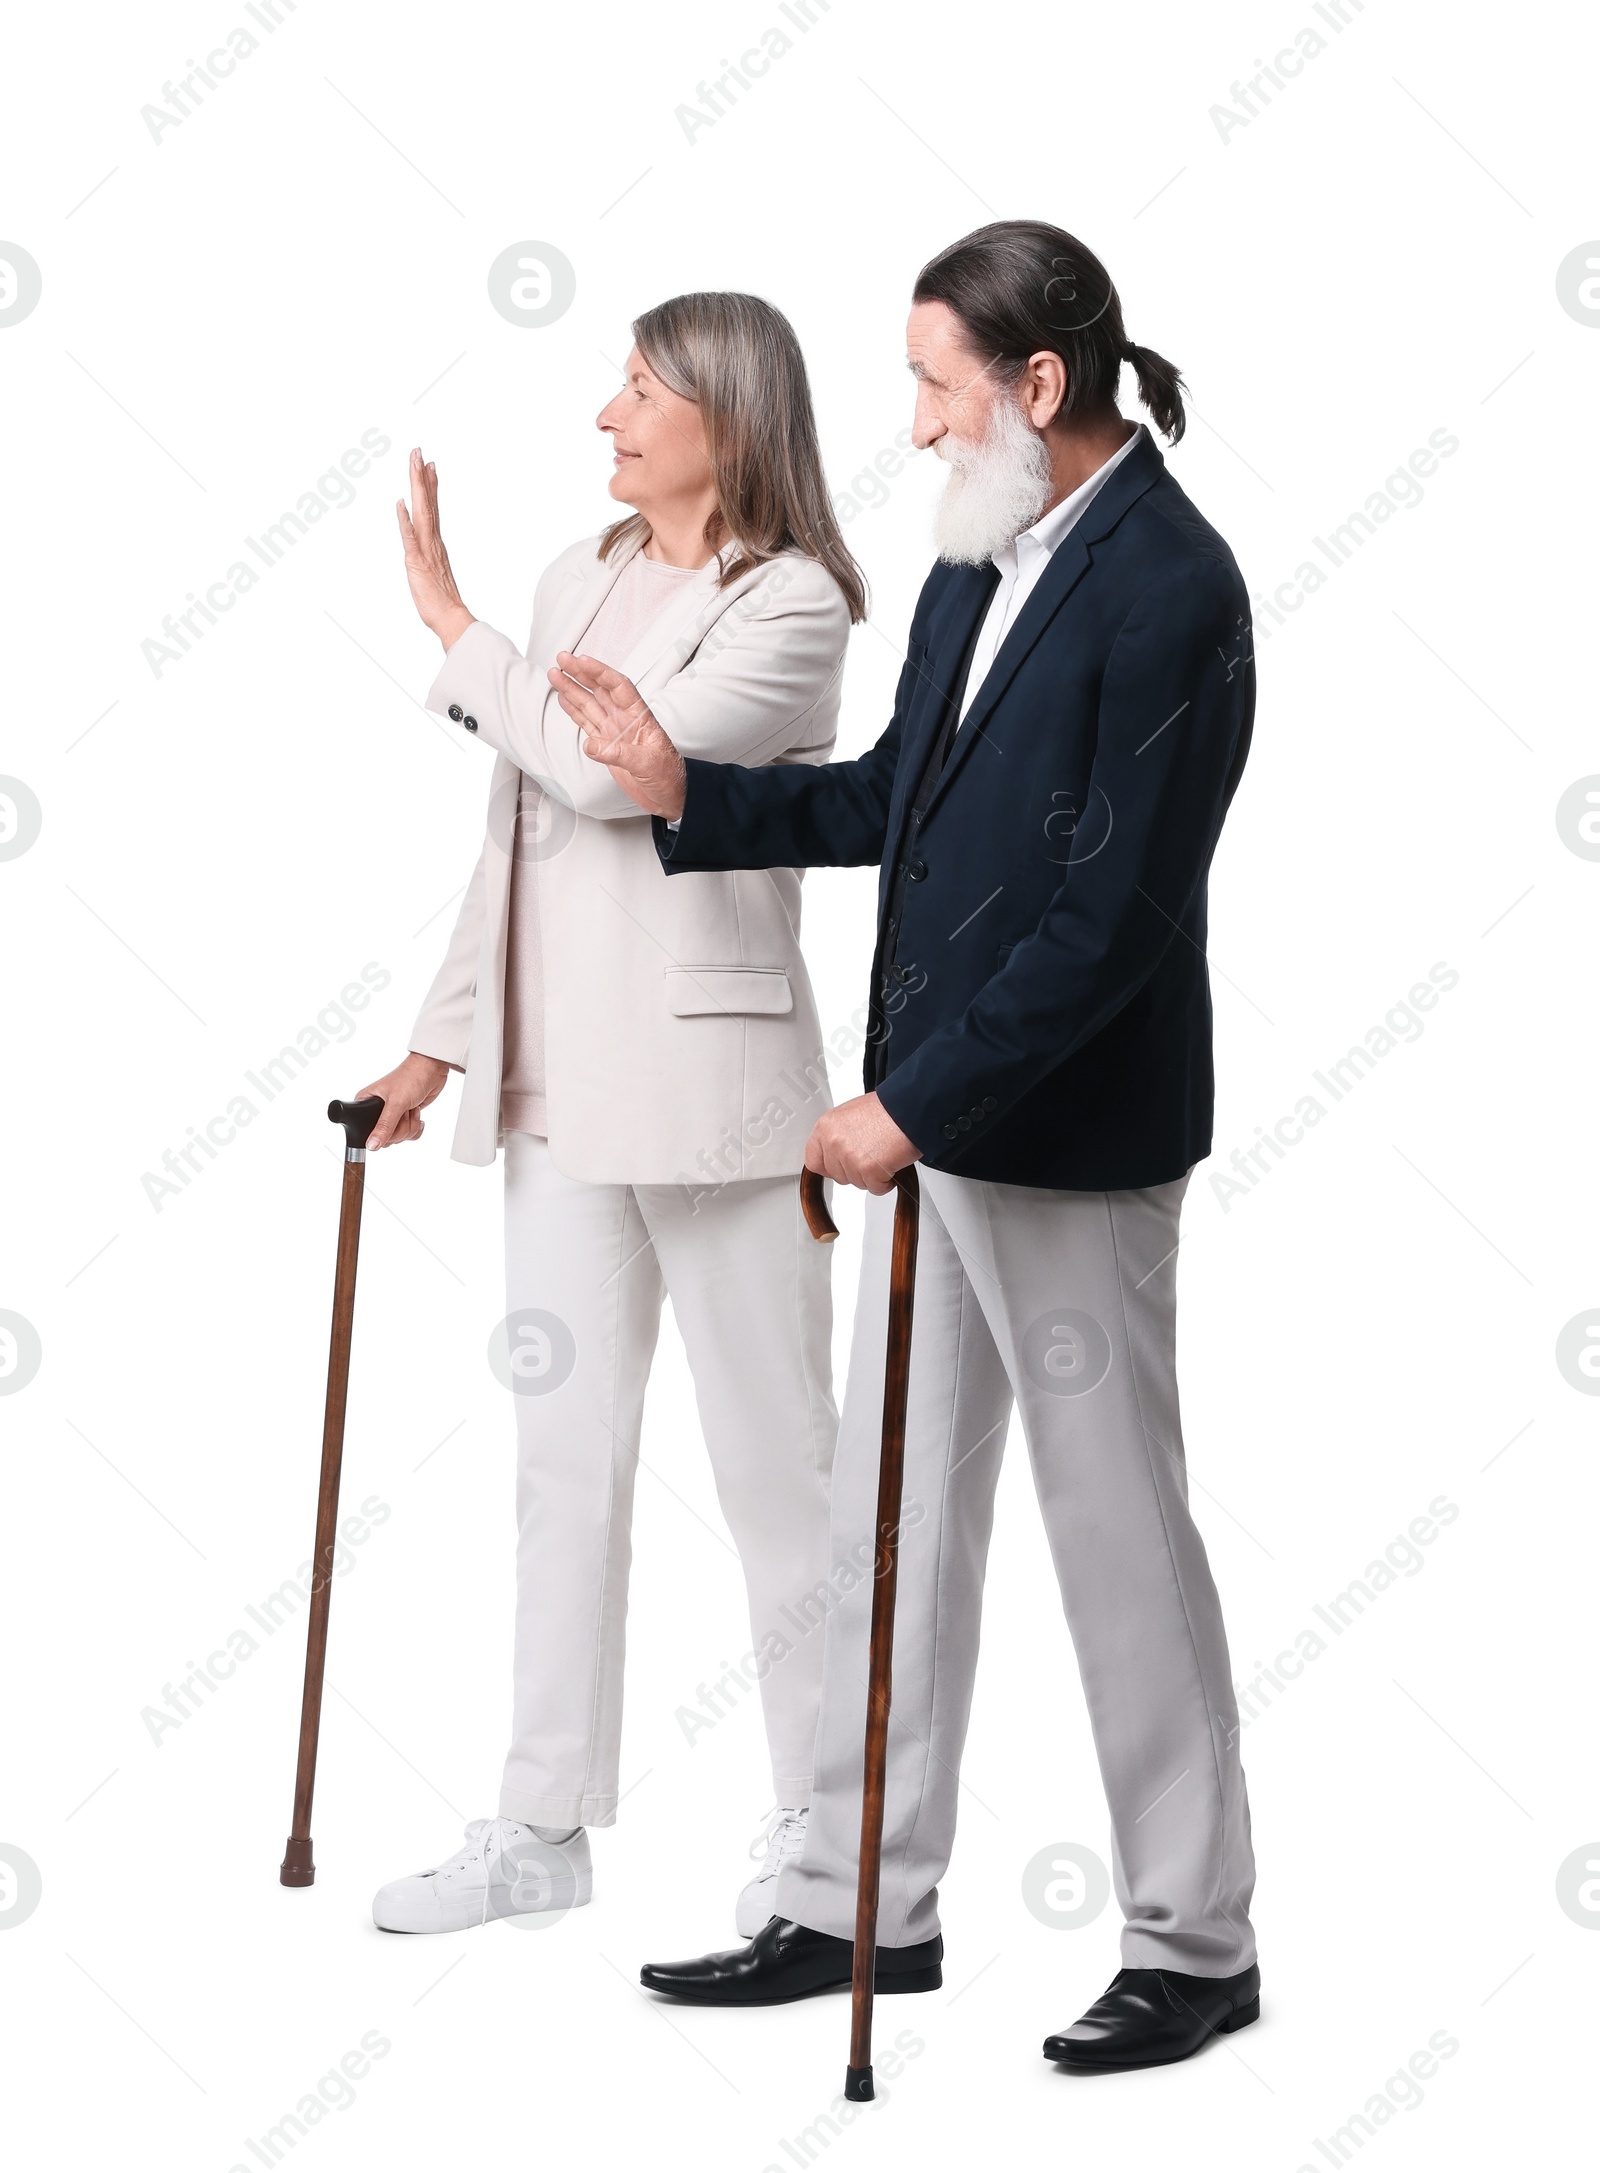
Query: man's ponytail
{"type": "Point", "coordinates": [1160, 388]}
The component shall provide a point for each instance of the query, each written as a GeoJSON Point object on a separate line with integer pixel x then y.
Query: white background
{"type": "Point", "coordinates": [1372, 258]}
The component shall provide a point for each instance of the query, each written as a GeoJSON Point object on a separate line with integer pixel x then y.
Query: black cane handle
{"type": "Point", "coordinates": [358, 1118]}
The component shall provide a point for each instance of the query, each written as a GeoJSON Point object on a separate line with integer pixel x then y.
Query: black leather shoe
{"type": "Point", "coordinates": [1148, 2017]}
{"type": "Point", "coordinates": [790, 1961]}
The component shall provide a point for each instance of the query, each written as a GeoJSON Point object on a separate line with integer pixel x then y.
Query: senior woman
{"type": "Point", "coordinates": [649, 1055]}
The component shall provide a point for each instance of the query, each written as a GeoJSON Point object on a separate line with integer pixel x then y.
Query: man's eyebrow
{"type": "Point", "coordinates": [920, 369]}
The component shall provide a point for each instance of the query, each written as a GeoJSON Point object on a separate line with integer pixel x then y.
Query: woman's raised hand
{"type": "Point", "coordinates": [619, 731]}
{"type": "Point", "coordinates": [433, 585]}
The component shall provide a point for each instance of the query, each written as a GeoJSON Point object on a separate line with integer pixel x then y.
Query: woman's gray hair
{"type": "Point", "coordinates": [738, 359]}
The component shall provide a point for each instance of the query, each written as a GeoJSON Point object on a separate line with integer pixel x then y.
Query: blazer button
{"type": "Point", "coordinates": [990, 1103]}
{"type": "Point", "coordinates": [471, 723]}
{"type": "Point", "coordinates": [454, 712]}
{"type": "Point", "coordinates": [948, 1130]}
{"type": "Point", "coordinates": [916, 869]}
{"type": "Point", "coordinates": [977, 1116]}
{"type": "Point", "coordinates": [963, 1124]}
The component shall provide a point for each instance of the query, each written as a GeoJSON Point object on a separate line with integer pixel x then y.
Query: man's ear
{"type": "Point", "coordinates": [1043, 388]}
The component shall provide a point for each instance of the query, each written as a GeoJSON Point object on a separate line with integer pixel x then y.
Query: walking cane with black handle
{"type": "Point", "coordinates": [891, 1471]}
{"type": "Point", "coordinates": [358, 1118]}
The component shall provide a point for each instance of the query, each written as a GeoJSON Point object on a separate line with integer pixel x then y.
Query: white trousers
{"type": "Point", "coordinates": [1065, 1302]}
{"type": "Point", "coordinates": [750, 1295]}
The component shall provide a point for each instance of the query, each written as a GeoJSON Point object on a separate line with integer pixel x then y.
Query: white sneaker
{"type": "Point", "coordinates": [786, 1837]}
{"type": "Point", "coordinates": [506, 1870]}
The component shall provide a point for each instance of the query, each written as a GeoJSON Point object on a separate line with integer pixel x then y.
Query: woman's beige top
{"type": "Point", "coordinates": [643, 590]}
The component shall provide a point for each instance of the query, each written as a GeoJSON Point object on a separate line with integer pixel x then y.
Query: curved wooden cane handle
{"type": "Point", "coordinates": [814, 1206]}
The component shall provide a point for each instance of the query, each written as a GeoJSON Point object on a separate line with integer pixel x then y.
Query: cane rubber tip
{"type": "Point", "coordinates": [297, 1869]}
{"type": "Point", "coordinates": [858, 2084]}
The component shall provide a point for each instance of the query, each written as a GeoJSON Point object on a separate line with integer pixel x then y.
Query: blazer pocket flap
{"type": "Point", "coordinates": [693, 991]}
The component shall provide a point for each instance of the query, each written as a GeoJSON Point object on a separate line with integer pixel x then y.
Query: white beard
{"type": "Point", "coordinates": [997, 488]}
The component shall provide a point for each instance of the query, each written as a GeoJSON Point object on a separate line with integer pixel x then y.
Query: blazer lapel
{"type": "Point", "coordinates": [1069, 562]}
{"type": "Point", "coordinates": [940, 668]}
{"type": "Point", "coordinates": [967, 599]}
{"type": "Point", "coordinates": [679, 627]}
{"type": "Point", "coordinates": [683, 615]}
{"type": "Point", "coordinates": [574, 612]}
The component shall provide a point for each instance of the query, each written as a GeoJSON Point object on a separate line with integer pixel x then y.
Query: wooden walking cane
{"type": "Point", "coordinates": [891, 1469]}
{"type": "Point", "coordinates": [358, 1118]}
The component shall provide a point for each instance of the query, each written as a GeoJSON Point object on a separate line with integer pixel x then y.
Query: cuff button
{"type": "Point", "coordinates": [949, 1130]}
{"type": "Point", "coordinates": [471, 723]}
{"type": "Point", "coordinates": [454, 712]}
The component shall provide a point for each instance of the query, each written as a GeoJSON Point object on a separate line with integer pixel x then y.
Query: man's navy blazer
{"type": "Point", "coordinates": [1041, 1009]}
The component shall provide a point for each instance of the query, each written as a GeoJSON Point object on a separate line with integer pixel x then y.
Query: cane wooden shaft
{"type": "Point", "coordinates": [891, 1470]}
{"type": "Point", "coordinates": [344, 1301]}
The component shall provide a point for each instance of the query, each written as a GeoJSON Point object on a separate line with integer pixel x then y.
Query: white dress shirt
{"type": "Point", "coordinates": [1022, 562]}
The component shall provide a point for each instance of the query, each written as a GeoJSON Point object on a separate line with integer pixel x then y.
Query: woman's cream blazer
{"type": "Point", "coordinates": [681, 1041]}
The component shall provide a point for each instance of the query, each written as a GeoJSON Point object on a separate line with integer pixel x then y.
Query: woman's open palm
{"type": "Point", "coordinates": [432, 584]}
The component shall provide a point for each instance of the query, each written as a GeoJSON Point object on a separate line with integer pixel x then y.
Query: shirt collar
{"type": "Point", "coordinates": [1047, 532]}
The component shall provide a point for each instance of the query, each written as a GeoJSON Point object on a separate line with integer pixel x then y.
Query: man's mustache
{"type": "Point", "coordinates": [957, 453]}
